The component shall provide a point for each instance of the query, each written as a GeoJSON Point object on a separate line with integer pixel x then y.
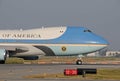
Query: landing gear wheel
{"type": "Point", "coordinates": [79, 62]}
{"type": "Point", "coordinates": [2, 62]}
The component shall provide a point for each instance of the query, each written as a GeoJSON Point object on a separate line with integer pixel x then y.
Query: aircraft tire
{"type": "Point", "coordinates": [79, 62]}
{"type": "Point", "coordinates": [2, 62]}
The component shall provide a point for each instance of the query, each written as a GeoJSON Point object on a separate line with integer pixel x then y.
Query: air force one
{"type": "Point", "coordinates": [49, 41]}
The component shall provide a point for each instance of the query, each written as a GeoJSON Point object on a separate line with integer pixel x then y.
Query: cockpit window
{"type": "Point", "coordinates": [87, 31]}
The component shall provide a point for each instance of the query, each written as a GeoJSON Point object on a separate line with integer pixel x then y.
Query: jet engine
{"type": "Point", "coordinates": [30, 57]}
{"type": "Point", "coordinates": [3, 56]}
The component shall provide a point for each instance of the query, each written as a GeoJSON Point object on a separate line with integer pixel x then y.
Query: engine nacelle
{"type": "Point", "coordinates": [3, 56]}
{"type": "Point", "coordinates": [30, 57]}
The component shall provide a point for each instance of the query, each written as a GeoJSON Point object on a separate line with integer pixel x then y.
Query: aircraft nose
{"type": "Point", "coordinates": [100, 40]}
{"type": "Point", "coordinates": [103, 41]}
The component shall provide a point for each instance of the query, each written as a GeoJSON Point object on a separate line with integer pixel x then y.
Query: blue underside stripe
{"type": "Point", "coordinates": [37, 41]}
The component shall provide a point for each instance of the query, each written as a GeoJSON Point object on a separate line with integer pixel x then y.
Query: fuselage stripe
{"type": "Point", "coordinates": [22, 44]}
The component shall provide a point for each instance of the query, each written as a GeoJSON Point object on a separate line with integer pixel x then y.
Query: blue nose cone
{"type": "Point", "coordinates": [102, 41]}
{"type": "Point", "coordinates": [99, 40]}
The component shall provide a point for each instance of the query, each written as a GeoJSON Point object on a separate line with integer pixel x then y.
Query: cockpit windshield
{"type": "Point", "coordinates": [87, 31]}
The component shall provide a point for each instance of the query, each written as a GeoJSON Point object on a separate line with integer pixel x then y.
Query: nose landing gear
{"type": "Point", "coordinates": [79, 60]}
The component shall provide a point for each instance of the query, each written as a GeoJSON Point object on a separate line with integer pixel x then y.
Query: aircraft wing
{"type": "Point", "coordinates": [25, 50]}
{"type": "Point", "coordinates": [14, 48]}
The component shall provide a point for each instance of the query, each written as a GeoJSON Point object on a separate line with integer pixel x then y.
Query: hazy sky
{"type": "Point", "coordinates": [101, 16]}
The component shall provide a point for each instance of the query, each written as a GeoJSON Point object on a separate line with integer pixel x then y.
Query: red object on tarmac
{"type": "Point", "coordinates": [70, 72]}
{"type": "Point", "coordinates": [79, 71]}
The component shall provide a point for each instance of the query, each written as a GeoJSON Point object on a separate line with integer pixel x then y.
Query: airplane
{"type": "Point", "coordinates": [49, 41]}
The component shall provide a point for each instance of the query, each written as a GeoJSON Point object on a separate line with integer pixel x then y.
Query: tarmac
{"type": "Point", "coordinates": [16, 72]}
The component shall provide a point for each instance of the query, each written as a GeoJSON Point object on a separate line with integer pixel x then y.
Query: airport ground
{"type": "Point", "coordinates": [65, 60]}
{"type": "Point", "coordinates": [20, 72]}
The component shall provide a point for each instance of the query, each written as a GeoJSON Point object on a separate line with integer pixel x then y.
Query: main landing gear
{"type": "Point", "coordinates": [2, 62]}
